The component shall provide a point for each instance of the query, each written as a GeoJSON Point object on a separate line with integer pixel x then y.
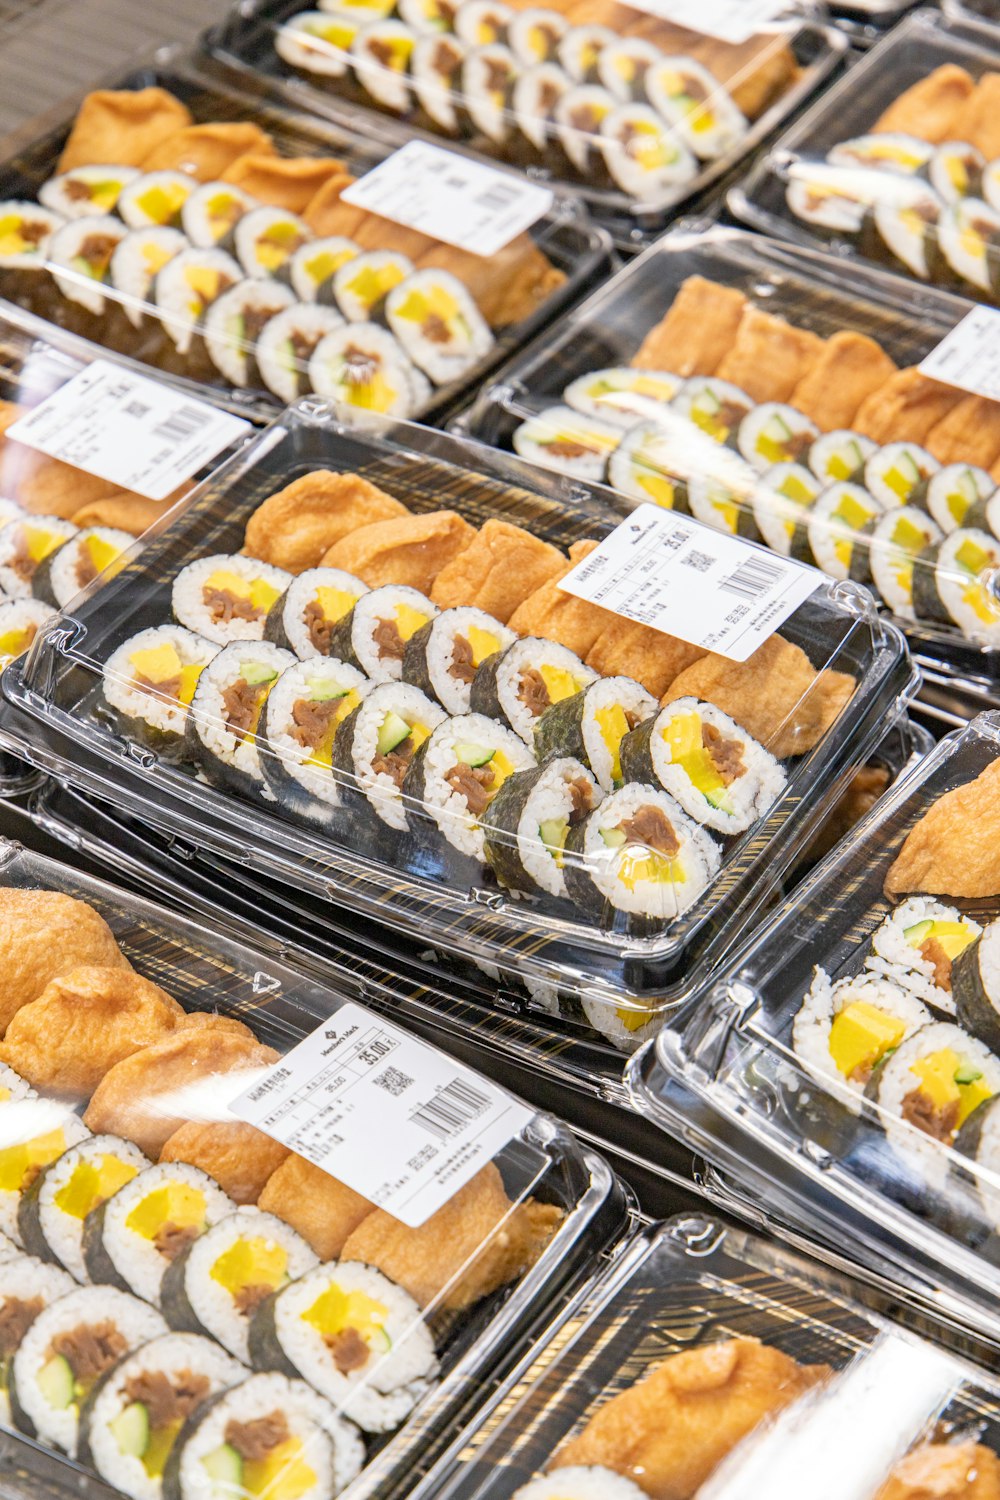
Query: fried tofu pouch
{"type": "Point", "coordinates": [290, 182]}
{"type": "Point", "coordinates": [208, 151]}
{"type": "Point", "coordinates": [132, 513]}
{"type": "Point", "coordinates": [945, 1471]}
{"type": "Point", "coordinates": [502, 566]}
{"type": "Point", "coordinates": [83, 1024]}
{"type": "Point", "coordinates": [776, 694]}
{"type": "Point", "coordinates": [769, 357]}
{"type": "Point", "coordinates": [140, 1097]}
{"type": "Point", "coordinates": [930, 109]}
{"type": "Point", "coordinates": [324, 1210]}
{"type": "Point", "coordinates": [122, 125]}
{"type": "Point", "coordinates": [240, 1158]}
{"type": "Point", "coordinates": [697, 332]}
{"type": "Point", "coordinates": [557, 616]}
{"type": "Point", "coordinates": [850, 368]}
{"type": "Point", "coordinates": [905, 408]}
{"type": "Point", "coordinates": [46, 486]}
{"type": "Point", "coordinates": [44, 934]}
{"type": "Point", "coordinates": [405, 550]}
{"type": "Point", "coordinates": [476, 1242]}
{"type": "Point", "coordinates": [954, 849]}
{"type": "Point", "coordinates": [295, 528]}
{"type": "Point", "coordinates": [978, 118]}
{"type": "Point", "coordinates": [969, 434]}
{"type": "Point", "coordinates": [626, 648]}
{"type": "Point", "coordinates": [670, 1430]}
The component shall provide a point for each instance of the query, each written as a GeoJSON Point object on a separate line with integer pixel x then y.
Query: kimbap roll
{"type": "Point", "coordinates": [210, 214]}
{"type": "Point", "coordinates": [313, 266]}
{"type": "Point", "coordinates": [286, 344]}
{"type": "Point", "coordinates": [364, 11]}
{"type": "Point", "coordinates": [361, 286]}
{"type": "Point", "coordinates": [715, 407]}
{"type": "Point", "coordinates": [991, 183]}
{"type": "Point", "coordinates": [362, 366]}
{"type": "Point", "coordinates": [79, 256]}
{"type": "Point", "coordinates": [353, 1336]}
{"type": "Point", "coordinates": [644, 155]}
{"type": "Point", "coordinates": [774, 433]}
{"type": "Point", "coordinates": [51, 1213]}
{"type": "Point", "coordinates": [973, 971]}
{"type": "Point", "coordinates": [955, 492]}
{"type": "Point", "coordinates": [155, 198]}
{"type": "Point", "coordinates": [840, 457]}
{"type": "Point", "coordinates": [952, 584]}
{"type": "Point", "coordinates": [225, 712]}
{"type": "Point", "coordinates": [536, 94]}
{"type": "Point", "coordinates": [26, 231]}
{"type": "Point", "coordinates": [488, 77]}
{"type": "Point", "coordinates": [899, 538]}
{"type": "Point", "coordinates": [955, 171]}
{"type": "Point", "coordinates": [843, 1031]}
{"type": "Point", "coordinates": [700, 108]}
{"type": "Point", "coordinates": [436, 67]}
{"type": "Point", "coordinates": [26, 1287]}
{"type": "Point", "coordinates": [24, 546]}
{"type": "Point", "coordinates": [457, 773]}
{"type": "Point", "coordinates": [781, 504]}
{"type": "Point", "coordinates": [888, 151]}
{"type": "Point", "coordinates": [725, 504]}
{"type": "Point", "coordinates": [533, 35]}
{"type": "Point", "coordinates": [968, 234]}
{"type": "Point", "coordinates": [216, 1285]}
{"type": "Point", "coordinates": [373, 634]}
{"type": "Point", "coordinates": [35, 1132]}
{"type": "Point", "coordinates": [592, 724]}
{"type": "Point", "coordinates": [303, 618]}
{"type": "Point", "coordinates": [578, 115]}
{"type": "Point", "coordinates": [528, 823]}
{"type": "Point", "coordinates": [443, 656]}
{"type": "Point", "coordinates": [911, 224]}
{"type": "Point", "coordinates": [899, 474]}
{"type": "Point", "coordinates": [428, 17]}
{"type": "Point", "coordinates": [380, 57]}
{"type": "Point", "coordinates": [227, 598]}
{"type": "Point", "coordinates": [20, 622]}
{"type": "Point", "coordinates": [918, 945]}
{"type": "Point", "coordinates": [187, 286]}
{"type": "Point", "coordinates": [579, 49]}
{"type": "Point", "coordinates": [828, 197]}
{"type": "Point", "coordinates": [622, 67]}
{"type": "Point", "coordinates": [840, 522]}
{"type": "Point", "coordinates": [69, 1346]}
{"type": "Point", "coordinates": [621, 395]}
{"type": "Point", "coordinates": [84, 191]}
{"type": "Point", "coordinates": [149, 682]}
{"type": "Point", "coordinates": [235, 321]}
{"type": "Point", "coordinates": [137, 261]}
{"type": "Point", "coordinates": [317, 43]}
{"type": "Point", "coordinates": [479, 23]}
{"type": "Point", "coordinates": [62, 574]}
{"type": "Point", "coordinates": [438, 325]}
{"type": "Point", "coordinates": [375, 745]}
{"type": "Point", "coordinates": [642, 466]}
{"type": "Point", "coordinates": [298, 725]}
{"type": "Point", "coordinates": [561, 439]}
{"type": "Point", "coordinates": [518, 685]}
{"type": "Point", "coordinates": [267, 238]}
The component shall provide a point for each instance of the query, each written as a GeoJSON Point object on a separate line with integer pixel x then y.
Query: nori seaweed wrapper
{"type": "Point", "coordinates": [274, 625]}
{"type": "Point", "coordinates": [579, 883]}
{"type": "Point", "coordinates": [636, 756]}
{"type": "Point", "coordinates": [342, 641]}
{"type": "Point", "coordinates": [266, 1350]}
{"type": "Point", "coordinates": [499, 826]}
{"type": "Point", "coordinates": [217, 771]}
{"type": "Point", "coordinates": [484, 698]}
{"type": "Point", "coordinates": [100, 1267]}
{"type": "Point", "coordinates": [926, 599]}
{"type": "Point", "coordinates": [974, 1008]}
{"type": "Point", "coordinates": [860, 570]}
{"type": "Point", "coordinates": [41, 579]}
{"type": "Point", "coordinates": [559, 731]}
{"type": "Point", "coordinates": [415, 668]}
{"type": "Point", "coordinates": [289, 792]}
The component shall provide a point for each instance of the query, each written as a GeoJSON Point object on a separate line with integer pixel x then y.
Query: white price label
{"type": "Point", "coordinates": [128, 429]}
{"type": "Point", "coordinates": [969, 356]}
{"type": "Point", "coordinates": [459, 201]}
{"type": "Point", "coordinates": [384, 1113]}
{"type": "Point", "coordinates": [728, 20]}
{"type": "Point", "coordinates": [716, 591]}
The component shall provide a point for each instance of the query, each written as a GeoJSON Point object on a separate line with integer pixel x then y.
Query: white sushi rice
{"type": "Point", "coordinates": [136, 1259]}
{"type": "Point", "coordinates": [73, 278]}
{"type": "Point", "coordinates": [58, 193]}
{"type": "Point", "coordinates": [191, 608]}
{"type": "Point", "coordinates": [781, 504]}
{"type": "Point", "coordinates": [562, 439]}
{"type": "Point", "coordinates": [72, 567]}
{"type": "Point", "coordinates": [833, 539]}
{"type": "Point", "coordinates": [449, 686]}
{"type": "Point", "coordinates": [967, 232]}
{"type": "Point", "coordinates": [258, 250]}
{"type": "Point", "coordinates": [287, 343]}
{"type": "Point", "coordinates": [224, 743]}
{"type": "Point", "coordinates": [447, 343]}
{"type": "Point", "coordinates": [119, 677]}
{"type": "Point", "coordinates": [526, 655]}
{"type": "Point", "coordinates": [21, 617]}
{"type": "Point", "coordinates": [775, 433]}
{"type": "Point", "coordinates": [301, 594]}
{"type": "Point", "coordinates": [954, 490]}
{"type": "Point", "coordinates": [580, 1482]}
{"type": "Point", "coordinates": [24, 1119]}
{"type": "Point", "coordinates": [181, 294]}
{"type": "Point", "coordinates": [411, 705]}
{"type": "Point", "coordinates": [699, 856]}
{"type": "Point", "coordinates": [352, 282]}
{"type": "Point", "coordinates": [362, 367]}
{"type": "Point", "coordinates": [227, 339]}
{"type": "Point", "coordinates": [27, 1280]}
{"type": "Point", "coordinates": [604, 694]}
{"type": "Point", "coordinates": [35, 251]}
{"type": "Point", "coordinates": [966, 596]}
{"type": "Point", "coordinates": [23, 545]}
{"type": "Point", "coordinates": [553, 798]}
{"type": "Point", "coordinates": [674, 168]}
{"type": "Point", "coordinates": [837, 457]}
{"type": "Point", "coordinates": [321, 677]}
{"type": "Point", "coordinates": [623, 1025]}
{"type": "Point", "coordinates": [621, 395]}
{"type": "Point", "coordinates": [136, 262]}
{"type": "Point", "coordinates": [205, 228]}
{"type": "Point", "coordinates": [823, 1003]}
{"type": "Point", "coordinates": [173, 189]}
{"type": "Point", "coordinates": [446, 805]}
{"type": "Point", "coordinates": [746, 798]}
{"type": "Point", "coordinates": [893, 954]}
{"type": "Point", "coordinates": [692, 99]}
{"type": "Point", "coordinates": [316, 42]}
{"type": "Point", "coordinates": [892, 561]}
{"type": "Point", "coordinates": [313, 266]}
{"type": "Point", "coordinates": [63, 1229]}
{"type": "Point", "coordinates": [910, 217]}
{"type": "Point", "coordinates": [369, 613]}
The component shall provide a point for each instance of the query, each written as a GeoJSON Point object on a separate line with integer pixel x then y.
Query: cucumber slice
{"type": "Point", "coordinates": [255, 673]}
{"type": "Point", "coordinates": [225, 1466]}
{"type": "Point", "coordinates": [322, 692]}
{"type": "Point", "coordinates": [553, 832]}
{"type": "Point", "coordinates": [393, 732]}
{"type": "Point", "coordinates": [613, 837]}
{"type": "Point", "coordinates": [474, 755]}
{"type": "Point", "coordinates": [968, 1073]}
{"type": "Point", "coordinates": [57, 1382]}
{"type": "Point", "coordinates": [918, 933]}
{"type": "Point", "coordinates": [130, 1430]}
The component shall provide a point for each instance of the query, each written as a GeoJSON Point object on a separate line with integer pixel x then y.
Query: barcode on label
{"type": "Point", "coordinates": [454, 1107]}
{"type": "Point", "coordinates": [497, 197]}
{"type": "Point", "coordinates": [754, 577]}
{"type": "Point", "coordinates": [182, 424]}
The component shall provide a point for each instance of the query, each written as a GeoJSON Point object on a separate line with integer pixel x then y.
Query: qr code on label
{"type": "Point", "coordinates": [700, 561]}
{"type": "Point", "coordinates": [393, 1081]}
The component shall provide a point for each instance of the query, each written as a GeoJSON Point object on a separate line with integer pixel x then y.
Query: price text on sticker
{"type": "Point", "coordinates": [128, 429]}
{"type": "Point", "coordinates": [729, 20]}
{"type": "Point", "coordinates": [462, 202]}
{"type": "Point", "coordinates": [969, 356]}
{"type": "Point", "coordinates": [389, 1116]}
{"type": "Point", "coordinates": [716, 591]}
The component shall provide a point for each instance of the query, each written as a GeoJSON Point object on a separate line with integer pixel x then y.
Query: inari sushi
{"type": "Point", "coordinates": [529, 821]}
{"type": "Point", "coordinates": [51, 1213]}
{"type": "Point", "coordinates": [518, 685]}
{"type": "Point", "coordinates": [298, 725]}
{"type": "Point", "coordinates": [26, 1287]}
{"type": "Point", "coordinates": [444, 655]}
{"type": "Point", "coordinates": [457, 773]}
{"type": "Point", "coordinates": [375, 745]}
{"type": "Point", "coordinates": [843, 1031]}
{"type": "Point", "coordinates": [227, 598]}
{"type": "Point", "coordinates": [222, 725]}
{"type": "Point", "coordinates": [373, 635]}
{"type": "Point", "coordinates": [592, 724]}
{"type": "Point", "coordinates": [303, 618]}
{"type": "Point", "coordinates": [149, 682]}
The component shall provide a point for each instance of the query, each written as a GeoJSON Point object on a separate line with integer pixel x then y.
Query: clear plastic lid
{"type": "Point", "coordinates": [166, 1263]}
{"type": "Point", "coordinates": [214, 246]}
{"type": "Point", "coordinates": [707, 1362]}
{"type": "Point", "coordinates": [971, 10]}
{"type": "Point", "coordinates": [633, 108]}
{"type": "Point", "coordinates": [383, 744]}
{"type": "Point", "coordinates": [847, 1056]}
{"type": "Point", "coordinates": [774, 393]}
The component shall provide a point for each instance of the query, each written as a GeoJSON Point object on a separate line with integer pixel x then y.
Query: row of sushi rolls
{"type": "Point", "coordinates": [763, 429]}
{"type": "Point", "coordinates": [186, 1307]}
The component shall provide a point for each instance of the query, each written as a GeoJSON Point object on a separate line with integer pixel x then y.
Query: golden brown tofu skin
{"type": "Point", "coordinates": [670, 1430]}
{"type": "Point", "coordinates": [626, 648]}
{"type": "Point", "coordinates": [695, 335]}
{"type": "Point", "coordinates": [41, 484]}
{"type": "Point", "coordinates": [905, 408]}
{"type": "Point", "coordinates": [849, 369]}
{"type": "Point", "coordinates": [44, 934]}
{"type": "Point", "coordinates": [290, 182]}
{"type": "Point", "coordinates": [207, 151]}
{"type": "Point", "coordinates": [325, 1211]}
{"type": "Point", "coordinates": [556, 616]}
{"type": "Point", "coordinates": [405, 550]}
{"type": "Point", "coordinates": [969, 434]}
{"type": "Point", "coordinates": [501, 567]}
{"type": "Point", "coordinates": [931, 108]}
{"type": "Point", "coordinates": [945, 1471]}
{"type": "Point", "coordinates": [776, 694]}
{"type": "Point", "coordinates": [295, 528]}
{"type": "Point", "coordinates": [122, 125]}
{"type": "Point", "coordinates": [954, 849]}
{"type": "Point", "coordinates": [132, 513]}
{"type": "Point", "coordinates": [240, 1158]}
{"type": "Point", "coordinates": [134, 1098]}
{"type": "Point", "coordinates": [769, 357]}
{"type": "Point", "coordinates": [212, 1021]}
{"type": "Point", "coordinates": [978, 118]}
{"type": "Point", "coordinates": [479, 1221]}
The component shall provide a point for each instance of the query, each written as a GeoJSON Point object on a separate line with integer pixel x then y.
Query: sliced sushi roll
{"type": "Point", "coordinates": [580, 1482]}
{"type": "Point", "coordinates": [355, 1337]}
{"type": "Point", "coordinates": [375, 745]}
{"type": "Point", "coordinates": [693, 100]}
{"type": "Point", "coordinates": [458, 771]}
{"type": "Point", "coordinates": [899, 473]}
{"type": "Point", "coordinates": [84, 191]}
{"type": "Point", "coordinates": [287, 343]}
{"type": "Point", "coordinates": [488, 77]}
{"type": "Point", "coordinates": [222, 724]}
{"type": "Point", "coordinates": [918, 945]}
{"type": "Point", "coordinates": [969, 238]}
{"type": "Point", "coordinates": [899, 538]}
{"type": "Point", "coordinates": [726, 506]}
{"type": "Point", "coordinates": [51, 1213]}
{"type": "Point", "coordinates": [888, 151]}
{"type": "Point", "coordinates": [436, 69]}
{"type": "Point", "coordinates": [131, 1238]}
{"type": "Point", "coordinates": [641, 855]}
{"type": "Point", "coordinates": [130, 1425]}
{"type": "Point", "coordinates": [528, 822]}
{"type": "Point", "coordinates": [480, 23]}
{"type": "Point", "coordinates": [955, 171]}
{"type": "Point", "coordinates": [443, 656]}
{"type": "Point", "coordinates": [428, 17]}
{"type": "Point", "coordinates": [592, 724]}
{"type": "Point", "coordinates": [716, 407]}
{"type": "Point", "coordinates": [952, 584]}
{"type": "Point", "coordinates": [363, 367]}
{"type": "Point", "coordinates": [79, 257]}
{"type": "Point", "coordinates": [211, 212]}
{"type": "Point", "coordinates": [149, 681]}
{"type": "Point", "coordinates": [621, 395]}
{"type": "Point", "coordinates": [62, 574]}
{"type": "Point", "coordinates": [227, 597]}
{"type": "Point", "coordinates": [911, 224]}
{"type": "Point", "coordinates": [313, 266]}
{"type": "Point", "coordinates": [979, 1140]}
{"type": "Point", "coordinates": [155, 198]}
{"type": "Point", "coordinates": [775, 433]}
{"type": "Point", "coordinates": [622, 67]}
{"type": "Point", "coordinates": [35, 1132]}
{"type": "Point", "coordinates": [380, 58]}
{"type": "Point", "coordinates": [644, 155]}
{"type": "Point", "coordinates": [578, 115]}
{"type": "Point", "coordinates": [361, 286]}
{"type": "Point", "coordinates": [265, 240]}
{"type": "Point", "coordinates": [643, 468]}
{"type": "Point", "coordinates": [518, 685]}
{"type": "Point", "coordinates": [843, 1031]}
{"type": "Point", "coordinates": [955, 493]}
{"type": "Point", "coordinates": [991, 183]}
{"type": "Point", "coordinates": [438, 325]}
{"type": "Point", "coordinates": [533, 102]}
{"type": "Point", "coordinates": [317, 43]}
{"type": "Point", "coordinates": [26, 231]}
{"type": "Point", "coordinates": [27, 1286]}
{"type": "Point", "coordinates": [781, 503]}
{"type": "Point", "coordinates": [137, 261]}
{"type": "Point", "coordinates": [990, 510]}
{"type": "Point", "coordinates": [534, 34]}
{"type": "Point", "coordinates": [298, 726]}
{"type": "Point", "coordinates": [372, 636]}
{"type": "Point", "coordinates": [561, 439]}
{"type": "Point", "coordinates": [830, 198]}
{"type": "Point", "coordinates": [24, 546]}
{"type": "Point", "coordinates": [235, 321]}
{"type": "Point", "coordinates": [364, 11]}
{"type": "Point", "coordinates": [972, 956]}
{"type": "Point", "coordinates": [840, 457]}
{"type": "Point", "coordinates": [216, 1285]}
{"type": "Point", "coordinates": [69, 1346]}
{"type": "Point", "coordinates": [187, 286]}
{"type": "Point", "coordinates": [266, 1426]}
{"type": "Point", "coordinates": [579, 49]}
{"type": "Point", "coordinates": [839, 525]}
{"type": "Point", "coordinates": [303, 618]}
{"type": "Point", "coordinates": [20, 622]}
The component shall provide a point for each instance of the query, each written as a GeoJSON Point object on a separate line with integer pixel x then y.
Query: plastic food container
{"type": "Point", "coordinates": [693, 1291]}
{"type": "Point", "coordinates": [117, 280]}
{"type": "Point", "coordinates": [705, 299]}
{"type": "Point", "coordinates": [540, 98]}
{"type": "Point", "coordinates": [969, 10]}
{"type": "Point", "coordinates": [778, 1101]}
{"type": "Point", "coordinates": [131, 1244]}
